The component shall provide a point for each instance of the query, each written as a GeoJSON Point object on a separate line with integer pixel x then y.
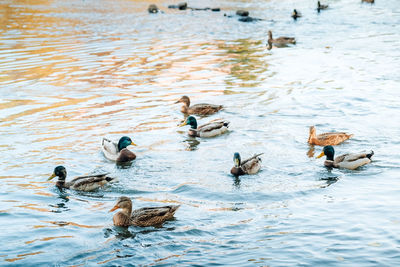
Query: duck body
{"type": "Point", "coordinates": [368, 1]}
{"type": "Point", "coordinates": [198, 109]}
{"type": "Point", "coordinates": [118, 151]}
{"type": "Point", "coordinates": [296, 14]}
{"type": "Point", "coordinates": [321, 7]}
{"type": "Point", "coordinates": [279, 42]}
{"type": "Point", "coordinates": [350, 161]}
{"type": "Point", "coordinates": [211, 129]}
{"type": "Point", "coordinates": [81, 183]}
{"type": "Point", "coordinates": [327, 139]}
{"type": "Point", "coordinates": [249, 166]}
{"type": "Point", "coordinates": [141, 217]}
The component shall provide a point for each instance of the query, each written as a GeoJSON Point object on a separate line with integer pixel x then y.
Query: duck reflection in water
{"type": "Point", "coordinates": [191, 143]}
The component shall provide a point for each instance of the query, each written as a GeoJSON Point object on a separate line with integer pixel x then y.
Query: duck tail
{"type": "Point", "coordinates": [111, 179]}
{"type": "Point", "coordinates": [173, 208]}
{"type": "Point", "coordinates": [370, 154]}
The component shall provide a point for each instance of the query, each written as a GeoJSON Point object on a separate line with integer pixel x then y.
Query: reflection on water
{"type": "Point", "coordinates": [74, 71]}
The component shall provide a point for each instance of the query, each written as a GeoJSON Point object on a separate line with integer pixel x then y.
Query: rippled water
{"type": "Point", "coordinates": [74, 71]}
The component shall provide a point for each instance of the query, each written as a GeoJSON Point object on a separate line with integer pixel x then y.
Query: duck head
{"type": "Point", "coordinates": [124, 141]}
{"type": "Point", "coordinates": [125, 204]}
{"type": "Point", "coordinates": [328, 151]}
{"type": "Point", "coordinates": [59, 172]}
{"type": "Point", "coordinates": [237, 160]}
{"type": "Point", "coordinates": [185, 100]}
{"type": "Point", "coordinates": [190, 121]}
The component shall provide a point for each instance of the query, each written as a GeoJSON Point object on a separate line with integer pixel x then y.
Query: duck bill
{"type": "Point", "coordinates": [177, 101]}
{"type": "Point", "coordinates": [321, 155]}
{"type": "Point", "coordinates": [51, 177]}
{"type": "Point", "coordinates": [133, 144]}
{"type": "Point", "coordinates": [237, 163]}
{"type": "Point", "coordinates": [114, 208]}
{"type": "Point", "coordinates": [183, 124]}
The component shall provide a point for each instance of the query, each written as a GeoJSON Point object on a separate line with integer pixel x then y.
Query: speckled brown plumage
{"type": "Point", "coordinates": [326, 139]}
{"type": "Point", "coordinates": [198, 109]}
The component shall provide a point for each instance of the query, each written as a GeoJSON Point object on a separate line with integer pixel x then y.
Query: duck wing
{"type": "Point", "coordinates": [153, 215]}
{"type": "Point", "coordinates": [213, 125]}
{"type": "Point", "coordinates": [110, 149]}
{"type": "Point", "coordinates": [204, 109]}
{"type": "Point", "coordinates": [89, 182]}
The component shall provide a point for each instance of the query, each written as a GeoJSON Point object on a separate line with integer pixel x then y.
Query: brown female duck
{"type": "Point", "coordinates": [141, 217]}
{"type": "Point", "coordinates": [279, 42]}
{"type": "Point", "coordinates": [199, 109]}
{"type": "Point", "coordinates": [321, 7]}
{"type": "Point", "coordinates": [81, 183]}
{"type": "Point", "coordinates": [327, 139]}
{"type": "Point", "coordinates": [118, 151]}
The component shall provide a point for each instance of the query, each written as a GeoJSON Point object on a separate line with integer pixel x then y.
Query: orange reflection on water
{"type": "Point", "coordinates": [22, 256]}
{"type": "Point", "coordinates": [48, 238]}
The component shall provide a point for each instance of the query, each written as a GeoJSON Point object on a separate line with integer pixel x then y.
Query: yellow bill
{"type": "Point", "coordinates": [133, 144]}
{"type": "Point", "coordinates": [51, 177]}
{"type": "Point", "coordinates": [321, 155]}
{"type": "Point", "coordinates": [183, 124]}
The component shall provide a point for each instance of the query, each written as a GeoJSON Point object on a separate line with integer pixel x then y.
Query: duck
{"type": "Point", "coordinates": [249, 166]}
{"type": "Point", "coordinates": [326, 139]}
{"type": "Point", "coordinates": [143, 217]}
{"type": "Point", "coordinates": [198, 109]}
{"type": "Point", "coordinates": [296, 14]}
{"type": "Point", "coordinates": [347, 161]}
{"type": "Point", "coordinates": [118, 151]}
{"type": "Point", "coordinates": [81, 183]}
{"type": "Point", "coordinates": [279, 42]}
{"type": "Point", "coordinates": [321, 7]}
{"type": "Point", "coordinates": [368, 1]}
{"type": "Point", "coordinates": [211, 129]}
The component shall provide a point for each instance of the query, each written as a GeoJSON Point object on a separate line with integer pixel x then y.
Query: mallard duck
{"type": "Point", "coordinates": [210, 129]}
{"type": "Point", "coordinates": [249, 166]}
{"type": "Point", "coordinates": [81, 183]}
{"type": "Point", "coordinates": [347, 161]}
{"type": "Point", "coordinates": [326, 139]}
{"type": "Point", "coordinates": [279, 42]}
{"type": "Point", "coordinates": [141, 217]}
{"type": "Point", "coordinates": [296, 14]}
{"type": "Point", "coordinates": [199, 109]}
{"type": "Point", "coordinates": [321, 7]}
{"type": "Point", "coordinates": [368, 1]}
{"type": "Point", "coordinates": [153, 9]}
{"type": "Point", "coordinates": [118, 152]}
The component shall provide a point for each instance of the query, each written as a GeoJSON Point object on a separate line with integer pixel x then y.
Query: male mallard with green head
{"type": "Point", "coordinates": [81, 183]}
{"type": "Point", "coordinates": [198, 109]}
{"type": "Point", "coordinates": [210, 129]}
{"type": "Point", "coordinates": [296, 14]}
{"type": "Point", "coordinates": [249, 166]}
{"type": "Point", "coordinates": [141, 217]}
{"type": "Point", "coordinates": [118, 151]}
{"type": "Point", "coordinates": [347, 161]}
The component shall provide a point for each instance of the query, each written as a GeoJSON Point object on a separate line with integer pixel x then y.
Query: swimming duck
{"type": "Point", "coordinates": [210, 129]}
{"type": "Point", "coordinates": [141, 217]}
{"type": "Point", "coordinates": [199, 109]}
{"type": "Point", "coordinates": [321, 7]}
{"type": "Point", "coordinates": [296, 14]}
{"type": "Point", "coordinates": [326, 139]}
{"type": "Point", "coordinates": [347, 161]}
{"type": "Point", "coordinates": [368, 1]}
{"type": "Point", "coordinates": [118, 152]}
{"type": "Point", "coordinates": [80, 183]}
{"type": "Point", "coordinates": [249, 166]}
{"type": "Point", "coordinates": [279, 42]}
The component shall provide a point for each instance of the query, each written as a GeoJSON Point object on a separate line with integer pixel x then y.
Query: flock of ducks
{"type": "Point", "coordinates": [153, 216]}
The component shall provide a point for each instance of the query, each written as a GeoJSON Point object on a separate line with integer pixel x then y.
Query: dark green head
{"type": "Point", "coordinates": [190, 121]}
{"type": "Point", "coordinates": [60, 172]}
{"type": "Point", "coordinates": [328, 151]}
{"type": "Point", "coordinates": [237, 160]}
{"type": "Point", "coordinates": [124, 141]}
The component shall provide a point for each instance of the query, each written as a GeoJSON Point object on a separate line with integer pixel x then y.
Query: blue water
{"type": "Point", "coordinates": [74, 71]}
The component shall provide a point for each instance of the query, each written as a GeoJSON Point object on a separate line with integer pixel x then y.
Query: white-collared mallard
{"type": "Point", "coordinates": [81, 183]}
{"type": "Point", "coordinates": [210, 129]}
{"type": "Point", "coordinates": [118, 151]}
{"type": "Point", "coordinates": [296, 14]}
{"type": "Point", "coordinates": [249, 166]}
{"type": "Point", "coordinates": [141, 217]}
{"type": "Point", "coordinates": [347, 161]}
{"type": "Point", "coordinates": [321, 7]}
{"type": "Point", "coordinates": [327, 139]}
{"type": "Point", "coordinates": [198, 109]}
{"type": "Point", "coordinates": [279, 42]}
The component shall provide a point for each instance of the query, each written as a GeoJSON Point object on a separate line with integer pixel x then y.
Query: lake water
{"type": "Point", "coordinates": [74, 71]}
